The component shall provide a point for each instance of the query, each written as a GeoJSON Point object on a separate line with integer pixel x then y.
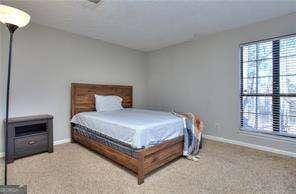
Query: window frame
{"type": "Point", "coordinates": [276, 94]}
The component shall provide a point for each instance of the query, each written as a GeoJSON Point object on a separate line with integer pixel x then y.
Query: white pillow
{"type": "Point", "coordinates": [108, 103]}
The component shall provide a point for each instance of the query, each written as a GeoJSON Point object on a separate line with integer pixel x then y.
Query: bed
{"type": "Point", "coordinates": [140, 140]}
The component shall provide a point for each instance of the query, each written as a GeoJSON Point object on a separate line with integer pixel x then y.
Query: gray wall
{"type": "Point", "coordinates": [202, 76]}
{"type": "Point", "coordinates": [46, 61]}
{"type": "Point", "coordinates": [2, 93]}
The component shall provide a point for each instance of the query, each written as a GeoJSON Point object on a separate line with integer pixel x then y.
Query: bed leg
{"type": "Point", "coordinates": [140, 173]}
{"type": "Point", "coordinates": [140, 180]}
{"type": "Point", "coordinates": [201, 142]}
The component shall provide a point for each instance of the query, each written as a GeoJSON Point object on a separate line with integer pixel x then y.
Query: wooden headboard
{"type": "Point", "coordinates": [83, 96]}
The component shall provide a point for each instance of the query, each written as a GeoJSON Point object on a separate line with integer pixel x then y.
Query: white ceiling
{"type": "Point", "coordinates": [150, 24]}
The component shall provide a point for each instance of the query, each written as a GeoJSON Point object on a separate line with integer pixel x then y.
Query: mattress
{"type": "Point", "coordinates": [137, 127]}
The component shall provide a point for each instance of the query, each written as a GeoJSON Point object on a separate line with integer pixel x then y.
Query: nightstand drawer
{"type": "Point", "coordinates": [30, 145]}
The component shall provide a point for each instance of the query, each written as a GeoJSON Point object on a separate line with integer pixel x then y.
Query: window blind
{"type": "Point", "coordinates": [268, 86]}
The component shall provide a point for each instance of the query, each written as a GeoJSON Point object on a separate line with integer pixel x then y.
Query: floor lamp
{"type": "Point", "coordinates": [13, 19]}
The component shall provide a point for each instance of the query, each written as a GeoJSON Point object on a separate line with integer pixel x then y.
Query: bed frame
{"type": "Point", "coordinates": [146, 159]}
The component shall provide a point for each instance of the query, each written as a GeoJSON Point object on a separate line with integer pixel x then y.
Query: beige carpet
{"type": "Point", "coordinates": [223, 168]}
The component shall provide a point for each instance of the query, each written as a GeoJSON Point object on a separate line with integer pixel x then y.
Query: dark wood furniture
{"type": "Point", "coordinates": [29, 135]}
{"type": "Point", "coordinates": [146, 160]}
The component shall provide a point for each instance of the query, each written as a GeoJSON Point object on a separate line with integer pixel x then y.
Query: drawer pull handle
{"type": "Point", "coordinates": [31, 142]}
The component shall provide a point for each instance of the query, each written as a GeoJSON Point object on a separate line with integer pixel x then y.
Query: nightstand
{"type": "Point", "coordinates": [29, 135]}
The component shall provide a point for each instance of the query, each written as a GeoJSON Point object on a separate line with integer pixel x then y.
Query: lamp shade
{"type": "Point", "coordinates": [11, 15]}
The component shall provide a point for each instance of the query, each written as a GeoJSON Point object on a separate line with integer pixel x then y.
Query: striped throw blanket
{"type": "Point", "coordinates": [193, 128]}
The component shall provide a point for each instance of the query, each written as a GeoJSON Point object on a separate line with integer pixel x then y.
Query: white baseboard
{"type": "Point", "coordinates": [62, 141]}
{"type": "Point", "coordinates": [249, 145]}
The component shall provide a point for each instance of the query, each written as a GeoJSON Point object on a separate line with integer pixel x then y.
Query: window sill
{"type": "Point", "coordinates": [268, 135]}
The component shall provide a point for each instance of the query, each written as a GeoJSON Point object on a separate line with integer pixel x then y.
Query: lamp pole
{"type": "Point", "coordinates": [11, 28]}
{"type": "Point", "coordinates": [13, 18]}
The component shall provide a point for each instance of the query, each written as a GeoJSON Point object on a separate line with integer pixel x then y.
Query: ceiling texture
{"type": "Point", "coordinates": [148, 25]}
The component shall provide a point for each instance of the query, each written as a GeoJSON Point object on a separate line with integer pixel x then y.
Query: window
{"type": "Point", "coordinates": [268, 86]}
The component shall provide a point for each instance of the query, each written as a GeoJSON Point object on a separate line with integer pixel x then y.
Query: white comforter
{"type": "Point", "coordinates": [137, 127]}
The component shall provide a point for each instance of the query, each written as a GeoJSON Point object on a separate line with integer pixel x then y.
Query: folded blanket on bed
{"type": "Point", "coordinates": [193, 127]}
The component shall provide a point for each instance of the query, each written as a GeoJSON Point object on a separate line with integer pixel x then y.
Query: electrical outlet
{"type": "Point", "coordinates": [217, 126]}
